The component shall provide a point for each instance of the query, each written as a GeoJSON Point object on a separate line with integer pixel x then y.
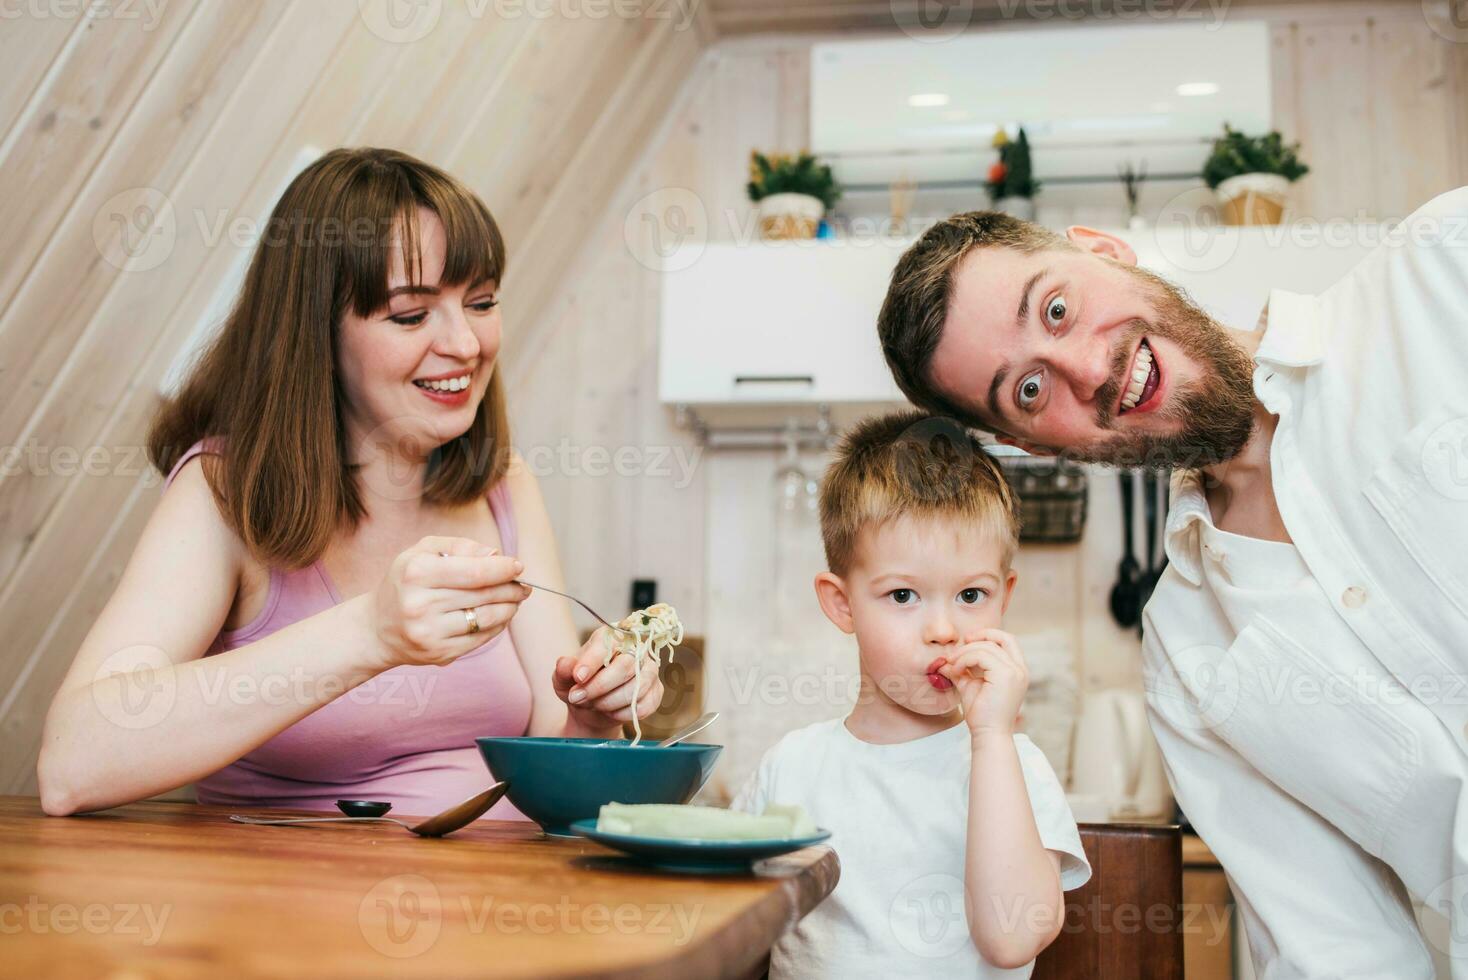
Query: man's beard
{"type": "Point", "coordinates": [1216, 410]}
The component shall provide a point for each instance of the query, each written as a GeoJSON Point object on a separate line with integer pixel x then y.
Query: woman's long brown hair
{"type": "Point", "coordinates": [268, 385]}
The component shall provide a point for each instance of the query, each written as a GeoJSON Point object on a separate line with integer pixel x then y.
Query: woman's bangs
{"type": "Point", "coordinates": [475, 251]}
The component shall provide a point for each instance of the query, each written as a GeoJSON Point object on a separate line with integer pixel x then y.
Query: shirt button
{"type": "Point", "coordinates": [1354, 597]}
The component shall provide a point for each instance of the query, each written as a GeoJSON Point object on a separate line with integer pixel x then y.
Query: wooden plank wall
{"type": "Point", "coordinates": [199, 115]}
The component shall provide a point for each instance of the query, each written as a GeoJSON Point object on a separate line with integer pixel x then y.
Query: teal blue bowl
{"type": "Point", "coordinates": [555, 781]}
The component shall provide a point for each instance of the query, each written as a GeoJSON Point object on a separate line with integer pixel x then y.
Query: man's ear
{"type": "Point", "coordinates": [831, 593]}
{"type": "Point", "coordinates": [1100, 243]}
{"type": "Point", "coordinates": [1032, 448]}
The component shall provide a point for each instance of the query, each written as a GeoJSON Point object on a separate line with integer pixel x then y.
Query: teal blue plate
{"type": "Point", "coordinates": [690, 856]}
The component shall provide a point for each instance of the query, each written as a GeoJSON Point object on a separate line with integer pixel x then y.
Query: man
{"type": "Point", "coordinates": [1305, 651]}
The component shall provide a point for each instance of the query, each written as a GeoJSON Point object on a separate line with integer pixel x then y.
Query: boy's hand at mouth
{"type": "Point", "coordinates": [990, 673]}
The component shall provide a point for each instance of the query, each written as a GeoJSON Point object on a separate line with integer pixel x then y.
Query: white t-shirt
{"type": "Point", "coordinates": [898, 816]}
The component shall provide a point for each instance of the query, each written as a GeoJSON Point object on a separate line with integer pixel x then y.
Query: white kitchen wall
{"type": "Point", "coordinates": [582, 371]}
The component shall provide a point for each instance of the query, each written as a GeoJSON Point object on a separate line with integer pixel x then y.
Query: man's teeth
{"type": "Point", "coordinates": [451, 384]}
{"type": "Point", "coordinates": [1139, 378]}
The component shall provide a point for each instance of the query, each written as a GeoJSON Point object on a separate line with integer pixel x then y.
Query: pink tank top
{"type": "Point", "coordinates": [405, 737]}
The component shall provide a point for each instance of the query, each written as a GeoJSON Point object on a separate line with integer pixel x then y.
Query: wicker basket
{"type": "Point", "coordinates": [1052, 497]}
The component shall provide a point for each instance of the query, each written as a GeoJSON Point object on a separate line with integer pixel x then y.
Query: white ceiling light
{"type": "Point", "coordinates": [927, 100]}
{"type": "Point", "coordinates": [1198, 88]}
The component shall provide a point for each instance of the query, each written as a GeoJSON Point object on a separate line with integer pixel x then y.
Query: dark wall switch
{"type": "Point", "coordinates": [644, 592]}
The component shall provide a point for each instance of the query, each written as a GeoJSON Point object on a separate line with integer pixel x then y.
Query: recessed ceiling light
{"type": "Point", "coordinates": [925, 100]}
{"type": "Point", "coordinates": [1197, 88]}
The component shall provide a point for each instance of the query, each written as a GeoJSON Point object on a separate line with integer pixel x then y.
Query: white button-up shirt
{"type": "Point", "coordinates": [1311, 698]}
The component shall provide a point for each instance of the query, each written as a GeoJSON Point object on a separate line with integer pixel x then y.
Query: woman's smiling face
{"type": "Point", "coordinates": [444, 334]}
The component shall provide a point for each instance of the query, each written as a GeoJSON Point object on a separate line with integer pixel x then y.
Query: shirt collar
{"type": "Point", "coordinates": [1182, 538]}
{"type": "Point", "coordinates": [1292, 334]}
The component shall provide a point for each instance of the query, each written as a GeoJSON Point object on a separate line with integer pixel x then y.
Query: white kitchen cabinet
{"type": "Point", "coordinates": [783, 323]}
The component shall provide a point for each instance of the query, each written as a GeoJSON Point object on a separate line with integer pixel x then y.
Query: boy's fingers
{"type": "Point", "coordinates": [984, 656]}
{"type": "Point", "coordinates": [982, 652]}
{"type": "Point", "coordinates": [1004, 639]}
{"type": "Point", "coordinates": [1004, 654]}
{"type": "Point", "coordinates": [963, 668]}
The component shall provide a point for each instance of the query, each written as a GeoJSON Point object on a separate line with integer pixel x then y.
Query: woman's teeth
{"type": "Point", "coordinates": [450, 384]}
{"type": "Point", "coordinates": [1140, 370]}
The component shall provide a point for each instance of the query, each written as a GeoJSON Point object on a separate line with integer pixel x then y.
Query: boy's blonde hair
{"type": "Point", "coordinates": [912, 463]}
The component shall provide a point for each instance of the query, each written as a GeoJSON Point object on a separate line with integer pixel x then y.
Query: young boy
{"type": "Point", "coordinates": [954, 834]}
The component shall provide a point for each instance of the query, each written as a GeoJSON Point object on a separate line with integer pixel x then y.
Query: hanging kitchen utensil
{"type": "Point", "coordinates": [1155, 485]}
{"type": "Point", "coordinates": [1125, 608]}
{"type": "Point", "coordinates": [1164, 484]}
{"type": "Point", "coordinates": [1148, 577]}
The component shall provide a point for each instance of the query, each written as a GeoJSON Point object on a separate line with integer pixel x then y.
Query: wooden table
{"type": "Point", "coordinates": [175, 889]}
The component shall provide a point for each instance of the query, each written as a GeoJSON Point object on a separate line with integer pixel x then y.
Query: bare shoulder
{"type": "Point", "coordinates": [188, 507]}
{"type": "Point", "coordinates": [196, 513]}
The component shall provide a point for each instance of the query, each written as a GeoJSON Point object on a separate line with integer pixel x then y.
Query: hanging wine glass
{"type": "Point", "coordinates": [792, 484]}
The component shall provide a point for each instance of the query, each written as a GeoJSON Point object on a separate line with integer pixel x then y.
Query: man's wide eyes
{"type": "Point", "coordinates": [1030, 387]}
{"type": "Point", "coordinates": [1055, 311]}
{"type": "Point", "coordinates": [1029, 390]}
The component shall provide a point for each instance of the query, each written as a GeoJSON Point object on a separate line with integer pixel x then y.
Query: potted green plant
{"type": "Point", "coordinates": [793, 192]}
{"type": "Point", "coordinates": [1011, 184]}
{"type": "Point", "coordinates": [1251, 175]}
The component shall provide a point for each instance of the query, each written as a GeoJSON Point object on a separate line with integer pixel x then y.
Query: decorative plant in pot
{"type": "Point", "coordinates": [1251, 175]}
{"type": "Point", "coordinates": [793, 192]}
{"type": "Point", "coordinates": [1011, 184]}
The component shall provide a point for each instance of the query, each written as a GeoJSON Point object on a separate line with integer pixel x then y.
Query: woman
{"type": "Point", "coordinates": [325, 603]}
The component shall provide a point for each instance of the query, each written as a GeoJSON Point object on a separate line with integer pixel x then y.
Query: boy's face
{"type": "Point", "coordinates": [917, 589]}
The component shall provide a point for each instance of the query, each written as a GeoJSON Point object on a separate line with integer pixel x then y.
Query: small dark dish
{"type": "Point", "coordinates": [363, 808]}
